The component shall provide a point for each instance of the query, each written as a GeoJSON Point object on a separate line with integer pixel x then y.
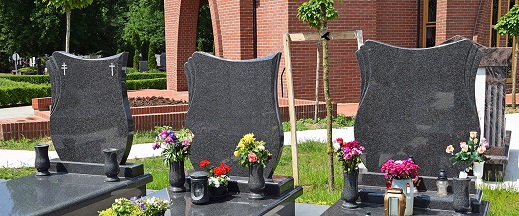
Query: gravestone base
{"type": "Point", "coordinates": [127, 170]}
{"type": "Point", "coordinates": [279, 200]}
{"type": "Point", "coordinates": [66, 193]}
{"type": "Point", "coordinates": [371, 199]}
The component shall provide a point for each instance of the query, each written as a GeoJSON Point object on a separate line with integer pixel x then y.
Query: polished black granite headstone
{"type": "Point", "coordinates": [416, 102]}
{"type": "Point", "coordinates": [61, 193]}
{"type": "Point", "coordinates": [90, 110]}
{"type": "Point", "coordinates": [228, 99]}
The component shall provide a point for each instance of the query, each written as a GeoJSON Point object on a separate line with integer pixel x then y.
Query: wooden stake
{"type": "Point", "coordinates": [291, 108]}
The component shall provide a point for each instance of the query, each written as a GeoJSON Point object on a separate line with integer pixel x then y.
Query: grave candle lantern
{"type": "Point", "coordinates": [200, 187]}
{"type": "Point", "coordinates": [394, 202]}
{"type": "Point", "coordinates": [442, 183]}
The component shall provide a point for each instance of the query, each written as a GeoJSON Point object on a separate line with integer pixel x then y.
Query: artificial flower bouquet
{"type": "Point", "coordinates": [400, 169]}
{"type": "Point", "coordinates": [176, 146]}
{"type": "Point", "coordinates": [250, 151]}
{"type": "Point", "coordinates": [470, 151]}
{"type": "Point", "coordinates": [348, 153]}
{"type": "Point", "coordinates": [145, 206]}
{"type": "Point", "coordinates": [217, 175]}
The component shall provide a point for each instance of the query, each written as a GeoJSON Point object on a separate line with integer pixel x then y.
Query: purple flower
{"type": "Point", "coordinates": [143, 207]}
{"type": "Point", "coordinates": [133, 198]}
{"type": "Point", "coordinates": [155, 145]}
{"type": "Point", "coordinates": [171, 134]}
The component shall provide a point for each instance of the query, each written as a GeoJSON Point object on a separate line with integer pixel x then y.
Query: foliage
{"type": "Point", "coordinates": [400, 169]}
{"type": "Point", "coordinates": [175, 146]}
{"type": "Point", "coordinates": [21, 93]}
{"type": "Point", "coordinates": [73, 4]}
{"type": "Point", "coordinates": [145, 19]}
{"type": "Point", "coordinates": [349, 154]}
{"type": "Point", "coordinates": [250, 151]}
{"type": "Point", "coordinates": [504, 200]}
{"type": "Point", "coordinates": [14, 173]}
{"type": "Point", "coordinates": [34, 79]}
{"type": "Point", "coordinates": [217, 175]}
{"type": "Point", "coordinates": [136, 59]}
{"type": "Point", "coordinates": [471, 151]}
{"type": "Point", "coordinates": [152, 62]}
{"type": "Point", "coordinates": [310, 12]}
{"type": "Point", "coordinates": [134, 206]}
{"type": "Point", "coordinates": [158, 83]}
{"type": "Point", "coordinates": [204, 30]}
{"type": "Point", "coordinates": [25, 143]}
{"type": "Point", "coordinates": [4, 61]}
{"type": "Point", "coordinates": [140, 76]}
{"type": "Point", "coordinates": [509, 23]}
{"type": "Point", "coordinates": [308, 124]}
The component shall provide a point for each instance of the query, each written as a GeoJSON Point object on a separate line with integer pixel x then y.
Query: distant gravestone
{"type": "Point", "coordinates": [90, 110]}
{"type": "Point", "coordinates": [228, 99]}
{"type": "Point", "coordinates": [162, 60]}
{"type": "Point", "coordinates": [416, 102]}
{"type": "Point", "coordinates": [143, 66]}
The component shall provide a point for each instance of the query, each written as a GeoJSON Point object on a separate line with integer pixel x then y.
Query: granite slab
{"type": "Point", "coordinates": [90, 110]}
{"type": "Point", "coordinates": [66, 194]}
{"type": "Point", "coordinates": [228, 99]}
{"type": "Point", "coordinates": [416, 102]}
{"type": "Point", "coordinates": [234, 204]}
{"type": "Point", "coordinates": [128, 170]}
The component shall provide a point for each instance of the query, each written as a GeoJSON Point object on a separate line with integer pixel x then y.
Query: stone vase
{"type": "Point", "coordinates": [42, 162]}
{"type": "Point", "coordinates": [350, 191]}
{"type": "Point", "coordinates": [256, 182]}
{"type": "Point", "coordinates": [477, 169]}
{"type": "Point", "coordinates": [461, 199]}
{"type": "Point", "coordinates": [409, 194]}
{"type": "Point", "coordinates": [111, 166]}
{"type": "Point", "coordinates": [177, 177]}
{"type": "Point", "coordinates": [218, 193]}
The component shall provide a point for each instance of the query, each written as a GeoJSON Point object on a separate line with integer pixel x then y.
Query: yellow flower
{"type": "Point", "coordinates": [236, 154]}
{"type": "Point", "coordinates": [241, 145]}
{"type": "Point", "coordinates": [249, 138]}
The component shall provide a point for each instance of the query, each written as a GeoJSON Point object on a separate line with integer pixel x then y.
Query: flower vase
{"type": "Point", "coordinates": [461, 199]}
{"type": "Point", "coordinates": [42, 162]}
{"type": "Point", "coordinates": [256, 182]}
{"type": "Point", "coordinates": [177, 177]}
{"type": "Point", "coordinates": [350, 191]}
{"type": "Point", "coordinates": [477, 169]}
{"type": "Point", "coordinates": [111, 166]}
{"type": "Point", "coordinates": [218, 193]}
{"type": "Point", "coordinates": [409, 195]}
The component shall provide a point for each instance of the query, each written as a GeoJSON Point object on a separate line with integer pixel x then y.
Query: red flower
{"type": "Point", "coordinates": [227, 168]}
{"type": "Point", "coordinates": [339, 140]}
{"type": "Point", "coordinates": [204, 163]}
{"type": "Point", "coordinates": [221, 170]}
{"type": "Point", "coordinates": [269, 156]}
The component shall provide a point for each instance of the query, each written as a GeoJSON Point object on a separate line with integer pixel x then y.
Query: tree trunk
{"type": "Point", "coordinates": [67, 36]}
{"type": "Point", "coordinates": [317, 81]}
{"type": "Point", "coordinates": [514, 72]}
{"type": "Point", "coordinates": [326, 69]}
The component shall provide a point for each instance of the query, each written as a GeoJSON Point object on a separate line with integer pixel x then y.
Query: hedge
{"type": "Point", "coordinates": [141, 76]}
{"type": "Point", "coordinates": [34, 79]}
{"type": "Point", "coordinates": [23, 95]}
{"type": "Point", "coordinates": [158, 83]}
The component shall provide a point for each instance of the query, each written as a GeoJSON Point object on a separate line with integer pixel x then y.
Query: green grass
{"type": "Point", "coordinates": [13, 173]}
{"type": "Point", "coordinates": [158, 170]}
{"type": "Point", "coordinates": [25, 143]}
{"type": "Point", "coordinates": [504, 201]}
{"type": "Point", "coordinates": [308, 124]}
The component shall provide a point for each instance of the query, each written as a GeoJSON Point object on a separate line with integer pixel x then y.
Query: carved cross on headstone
{"type": "Point", "coordinates": [64, 67]}
{"type": "Point", "coordinates": [112, 66]}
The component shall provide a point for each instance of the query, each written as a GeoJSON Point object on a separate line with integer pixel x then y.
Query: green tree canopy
{"type": "Point", "coordinates": [509, 23]}
{"type": "Point", "coordinates": [310, 12]}
{"type": "Point", "coordinates": [146, 18]}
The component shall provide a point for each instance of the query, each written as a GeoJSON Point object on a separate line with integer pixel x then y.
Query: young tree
{"type": "Point", "coordinates": [68, 5]}
{"type": "Point", "coordinates": [509, 24]}
{"type": "Point", "coordinates": [317, 13]}
{"type": "Point", "coordinates": [152, 62]}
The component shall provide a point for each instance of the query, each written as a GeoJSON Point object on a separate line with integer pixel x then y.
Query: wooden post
{"type": "Point", "coordinates": [291, 108]}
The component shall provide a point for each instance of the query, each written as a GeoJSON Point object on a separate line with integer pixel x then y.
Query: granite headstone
{"type": "Point", "coordinates": [90, 110]}
{"type": "Point", "coordinates": [143, 66]}
{"type": "Point", "coordinates": [228, 99]}
{"type": "Point", "coordinates": [416, 102]}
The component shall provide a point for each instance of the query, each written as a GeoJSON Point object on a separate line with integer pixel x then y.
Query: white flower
{"type": "Point", "coordinates": [213, 181]}
{"type": "Point", "coordinates": [336, 145]}
{"type": "Point", "coordinates": [261, 148]}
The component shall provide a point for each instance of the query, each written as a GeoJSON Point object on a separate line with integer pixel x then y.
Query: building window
{"type": "Point", "coordinates": [429, 23]}
{"type": "Point", "coordinates": [495, 14]}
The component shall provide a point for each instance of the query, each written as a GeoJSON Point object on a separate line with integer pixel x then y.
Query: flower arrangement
{"type": "Point", "coordinates": [470, 151]}
{"type": "Point", "coordinates": [175, 146]}
{"type": "Point", "coordinates": [250, 151]}
{"type": "Point", "coordinates": [136, 207]}
{"type": "Point", "coordinates": [348, 153]}
{"type": "Point", "coordinates": [217, 175]}
{"type": "Point", "coordinates": [400, 169]}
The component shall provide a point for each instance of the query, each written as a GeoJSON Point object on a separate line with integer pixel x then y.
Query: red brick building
{"type": "Point", "coordinates": [244, 29]}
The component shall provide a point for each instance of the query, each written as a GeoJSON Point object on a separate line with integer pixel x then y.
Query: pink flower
{"type": "Point", "coordinates": [252, 157]}
{"type": "Point", "coordinates": [168, 140]}
{"type": "Point", "coordinates": [449, 149]}
{"type": "Point", "coordinates": [186, 141]}
{"type": "Point", "coordinates": [481, 149]}
{"type": "Point", "coordinates": [155, 145]}
{"type": "Point", "coordinates": [473, 135]}
{"type": "Point", "coordinates": [464, 146]}
{"type": "Point", "coordinates": [163, 134]}
{"type": "Point", "coordinates": [483, 142]}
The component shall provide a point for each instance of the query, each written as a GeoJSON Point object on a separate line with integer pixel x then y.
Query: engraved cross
{"type": "Point", "coordinates": [64, 67]}
{"type": "Point", "coordinates": [112, 66]}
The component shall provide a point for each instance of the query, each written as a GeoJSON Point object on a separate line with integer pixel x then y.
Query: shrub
{"type": "Point", "coordinates": [152, 62]}
{"type": "Point", "coordinates": [4, 62]}
{"type": "Point", "coordinates": [28, 70]}
{"type": "Point", "coordinates": [34, 79]}
{"type": "Point", "coordinates": [140, 76]}
{"type": "Point", "coordinates": [158, 83]}
{"type": "Point", "coordinates": [23, 95]}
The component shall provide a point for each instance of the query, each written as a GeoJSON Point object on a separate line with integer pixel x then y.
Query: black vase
{"type": "Point", "coordinates": [218, 193]}
{"type": "Point", "coordinates": [111, 167]}
{"type": "Point", "coordinates": [461, 199]}
{"type": "Point", "coordinates": [350, 192]}
{"type": "Point", "coordinates": [42, 162]}
{"type": "Point", "coordinates": [177, 177]}
{"type": "Point", "coordinates": [256, 182]}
